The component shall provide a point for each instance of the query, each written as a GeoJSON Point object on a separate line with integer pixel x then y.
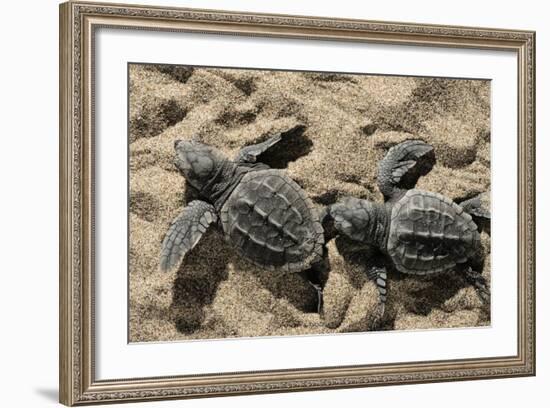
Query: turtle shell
{"type": "Point", "coordinates": [429, 233]}
{"type": "Point", "coordinates": [271, 221]}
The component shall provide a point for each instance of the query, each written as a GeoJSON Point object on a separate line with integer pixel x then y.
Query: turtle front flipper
{"type": "Point", "coordinates": [379, 275]}
{"type": "Point", "coordinates": [292, 146]}
{"type": "Point", "coordinates": [184, 233]}
{"type": "Point", "coordinates": [249, 154]}
{"type": "Point", "coordinates": [402, 166]}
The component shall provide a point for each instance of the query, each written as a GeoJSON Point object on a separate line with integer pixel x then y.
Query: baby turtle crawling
{"type": "Point", "coordinates": [263, 213]}
{"type": "Point", "coordinates": [421, 232]}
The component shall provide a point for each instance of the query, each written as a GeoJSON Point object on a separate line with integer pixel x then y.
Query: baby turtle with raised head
{"type": "Point", "coordinates": [263, 214]}
{"type": "Point", "coordinates": [421, 232]}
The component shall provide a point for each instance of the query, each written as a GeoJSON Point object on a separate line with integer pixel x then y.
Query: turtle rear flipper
{"type": "Point", "coordinates": [184, 233]}
{"type": "Point", "coordinates": [402, 166]}
{"type": "Point", "coordinates": [314, 277]}
{"type": "Point", "coordinates": [481, 215]}
{"type": "Point", "coordinates": [477, 280]}
{"type": "Point", "coordinates": [474, 207]}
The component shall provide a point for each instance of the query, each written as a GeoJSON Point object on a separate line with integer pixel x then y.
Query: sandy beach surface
{"type": "Point", "coordinates": [343, 125]}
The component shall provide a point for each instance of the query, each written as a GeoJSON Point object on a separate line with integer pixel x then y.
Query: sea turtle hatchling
{"type": "Point", "coordinates": [262, 212]}
{"type": "Point", "coordinates": [421, 232]}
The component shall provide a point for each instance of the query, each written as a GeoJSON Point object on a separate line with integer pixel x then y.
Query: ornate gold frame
{"type": "Point", "coordinates": [78, 20]}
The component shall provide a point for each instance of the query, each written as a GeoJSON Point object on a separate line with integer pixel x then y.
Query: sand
{"type": "Point", "coordinates": [343, 125]}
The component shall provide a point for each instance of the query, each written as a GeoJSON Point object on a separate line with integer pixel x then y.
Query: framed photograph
{"type": "Point", "coordinates": [256, 203]}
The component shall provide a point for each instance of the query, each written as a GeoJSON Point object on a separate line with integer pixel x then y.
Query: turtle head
{"type": "Point", "coordinates": [197, 162]}
{"type": "Point", "coordinates": [361, 220]}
